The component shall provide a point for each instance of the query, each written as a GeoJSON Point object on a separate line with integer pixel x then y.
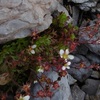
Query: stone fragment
{"type": "Point", "coordinates": [93, 58]}
{"type": "Point", "coordinates": [77, 93]}
{"type": "Point", "coordinates": [87, 5]}
{"type": "Point", "coordinates": [91, 86]}
{"type": "Point", "coordinates": [95, 74]}
{"type": "Point", "coordinates": [71, 80]}
{"type": "Point", "coordinates": [4, 78]}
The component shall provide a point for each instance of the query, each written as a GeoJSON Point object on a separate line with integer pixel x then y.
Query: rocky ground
{"type": "Point", "coordinates": [80, 83]}
{"type": "Point", "coordinates": [83, 83]}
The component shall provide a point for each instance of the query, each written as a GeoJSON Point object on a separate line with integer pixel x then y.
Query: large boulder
{"type": "Point", "coordinates": [18, 18]}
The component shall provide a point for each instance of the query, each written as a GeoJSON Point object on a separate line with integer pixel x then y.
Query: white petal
{"type": "Point", "coordinates": [20, 97]}
{"type": "Point", "coordinates": [33, 46]}
{"type": "Point", "coordinates": [26, 97]}
{"type": "Point", "coordinates": [63, 68]}
{"type": "Point", "coordinates": [68, 67]}
{"type": "Point", "coordinates": [40, 70]}
{"type": "Point", "coordinates": [61, 56]}
{"type": "Point", "coordinates": [35, 81]}
{"type": "Point", "coordinates": [65, 60]}
{"type": "Point", "coordinates": [71, 57]}
{"type": "Point", "coordinates": [32, 51]}
{"type": "Point", "coordinates": [68, 63]}
{"type": "Point", "coordinates": [61, 52]}
{"type": "Point", "coordinates": [67, 51]}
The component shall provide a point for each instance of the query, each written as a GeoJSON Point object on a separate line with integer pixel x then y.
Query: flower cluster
{"type": "Point", "coordinates": [31, 49]}
{"type": "Point", "coordinates": [24, 97]}
{"type": "Point", "coordinates": [65, 55]}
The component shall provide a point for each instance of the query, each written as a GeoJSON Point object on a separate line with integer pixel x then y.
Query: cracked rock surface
{"type": "Point", "coordinates": [18, 18]}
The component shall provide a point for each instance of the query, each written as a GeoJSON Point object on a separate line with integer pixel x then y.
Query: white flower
{"type": "Point", "coordinates": [32, 52]}
{"type": "Point", "coordinates": [61, 52]}
{"type": "Point", "coordinates": [40, 69]}
{"type": "Point", "coordinates": [33, 46]}
{"type": "Point", "coordinates": [27, 97]}
{"type": "Point", "coordinates": [63, 68]}
{"type": "Point", "coordinates": [35, 81]}
{"type": "Point", "coordinates": [66, 66]}
{"type": "Point", "coordinates": [65, 54]}
{"type": "Point", "coordinates": [31, 49]}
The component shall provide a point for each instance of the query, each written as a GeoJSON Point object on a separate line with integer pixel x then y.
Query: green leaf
{"type": "Point", "coordinates": [76, 27]}
{"type": "Point", "coordinates": [70, 25]}
{"type": "Point", "coordinates": [62, 19]}
{"type": "Point", "coordinates": [72, 36]}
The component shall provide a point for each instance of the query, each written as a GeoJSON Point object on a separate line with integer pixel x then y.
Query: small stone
{"type": "Point", "coordinates": [95, 74]}
{"type": "Point", "coordinates": [71, 80]}
{"type": "Point", "coordinates": [94, 97]}
{"type": "Point", "coordinates": [91, 86]}
{"type": "Point", "coordinates": [93, 58]}
{"type": "Point", "coordinates": [4, 78]}
{"type": "Point", "coordinates": [77, 93]}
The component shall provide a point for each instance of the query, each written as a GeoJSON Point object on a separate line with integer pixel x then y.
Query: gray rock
{"type": "Point", "coordinates": [94, 48]}
{"type": "Point", "coordinates": [71, 80]}
{"type": "Point", "coordinates": [98, 7]}
{"type": "Point", "coordinates": [94, 97]}
{"type": "Point", "coordinates": [95, 74]}
{"type": "Point", "coordinates": [87, 5]}
{"type": "Point", "coordinates": [91, 86]}
{"type": "Point", "coordinates": [79, 73]}
{"type": "Point", "coordinates": [82, 49]}
{"type": "Point", "coordinates": [92, 43]}
{"type": "Point", "coordinates": [89, 97]}
{"type": "Point", "coordinates": [10, 3]}
{"type": "Point", "coordinates": [98, 90]}
{"type": "Point", "coordinates": [19, 18]}
{"type": "Point", "coordinates": [75, 15]}
{"type": "Point", "coordinates": [78, 1]}
{"type": "Point", "coordinates": [93, 58]}
{"type": "Point", "coordinates": [76, 59]}
{"type": "Point", "coordinates": [62, 93]}
{"type": "Point", "coordinates": [77, 93]}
